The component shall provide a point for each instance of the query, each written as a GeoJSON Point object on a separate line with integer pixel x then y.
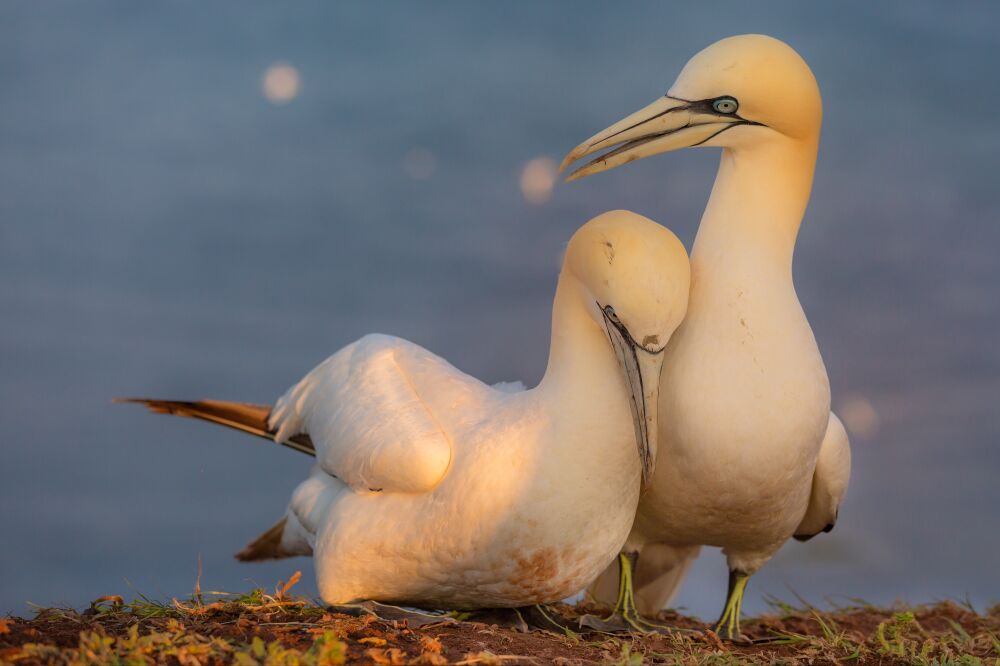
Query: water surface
{"type": "Point", "coordinates": [165, 230]}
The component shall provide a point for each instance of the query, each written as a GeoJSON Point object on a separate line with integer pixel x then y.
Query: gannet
{"type": "Point", "coordinates": [433, 489]}
{"type": "Point", "coordinates": [749, 452]}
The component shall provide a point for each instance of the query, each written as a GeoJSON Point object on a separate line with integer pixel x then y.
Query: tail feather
{"type": "Point", "coordinates": [243, 416]}
{"type": "Point", "coordinates": [267, 546]}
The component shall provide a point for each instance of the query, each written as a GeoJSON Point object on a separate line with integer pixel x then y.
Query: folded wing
{"type": "Point", "coordinates": [833, 471]}
{"type": "Point", "coordinates": [367, 410]}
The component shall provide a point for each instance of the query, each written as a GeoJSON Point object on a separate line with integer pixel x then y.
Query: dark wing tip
{"type": "Point", "coordinates": [806, 537]}
{"type": "Point", "coordinates": [154, 405]}
{"type": "Point", "coordinates": [248, 417]}
{"type": "Point", "coordinates": [267, 546]}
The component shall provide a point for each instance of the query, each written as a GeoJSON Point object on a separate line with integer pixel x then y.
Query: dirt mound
{"type": "Point", "coordinates": [260, 628]}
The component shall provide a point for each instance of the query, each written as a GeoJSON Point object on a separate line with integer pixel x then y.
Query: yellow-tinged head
{"type": "Point", "coordinates": [636, 267]}
{"type": "Point", "coordinates": [738, 92]}
{"type": "Point", "coordinates": [634, 279]}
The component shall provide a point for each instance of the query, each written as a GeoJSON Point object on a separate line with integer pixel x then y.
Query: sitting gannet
{"type": "Point", "coordinates": [433, 489]}
{"type": "Point", "coordinates": [749, 453]}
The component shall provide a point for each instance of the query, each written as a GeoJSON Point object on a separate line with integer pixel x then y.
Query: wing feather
{"type": "Point", "coordinates": [367, 418]}
{"type": "Point", "coordinates": [833, 472]}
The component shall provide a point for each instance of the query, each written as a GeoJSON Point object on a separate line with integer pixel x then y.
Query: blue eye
{"type": "Point", "coordinates": [725, 105]}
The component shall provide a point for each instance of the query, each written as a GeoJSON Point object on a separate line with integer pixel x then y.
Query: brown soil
{"type": "Point", "coordinates": [290, 631]}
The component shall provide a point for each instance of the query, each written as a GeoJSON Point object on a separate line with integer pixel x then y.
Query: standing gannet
{"type": "Point", "coordinates": [433, 489]}
{"type": "Point", "coordinates": [749, 452]}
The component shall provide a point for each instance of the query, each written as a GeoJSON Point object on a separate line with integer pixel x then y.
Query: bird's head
{"type": "Point", "coordinates": [633, 277]}
{"type": "Point", "coordinates": [738, 92]}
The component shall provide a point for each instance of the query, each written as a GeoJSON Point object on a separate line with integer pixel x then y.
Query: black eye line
{"type": "Point", "coordinates": [616, 322]}
{"type": "Point", "coordinates": [701, 106]}
{"type": "Point", "coordinates": [621, 327]}
{"type": "Point", "coordinates": [709, 105]}
{"type": "Point", "coordinates": [706, 106]}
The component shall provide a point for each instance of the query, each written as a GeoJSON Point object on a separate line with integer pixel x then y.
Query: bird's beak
{"type": "Point", "coordinates": [641, 367]}
{"type": "Point", "coordinates": [667, 124]}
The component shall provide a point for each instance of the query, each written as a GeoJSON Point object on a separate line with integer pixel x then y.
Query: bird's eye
{"type": "Point", "coordinates": [610, 311]}
{"type": "Point", "coordinates": [725, 105]}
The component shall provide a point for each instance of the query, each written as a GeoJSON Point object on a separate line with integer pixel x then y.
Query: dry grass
{"type": "Point", "coordinates": [278, 629]}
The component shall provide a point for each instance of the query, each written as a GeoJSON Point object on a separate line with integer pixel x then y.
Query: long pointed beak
{"type": "Point", "coordinates": [666, 124]}
{"type": "Point", "coordinates": [642, 377]}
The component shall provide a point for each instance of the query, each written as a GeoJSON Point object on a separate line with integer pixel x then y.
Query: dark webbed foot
{"type": "Point", "coordinates": [524, 618]}
{"type": "Point", "coordinates": [414, 617]}
{"type": "Point", "coordinates": [544, 618]}
{"type": "Point", "coordinates": [508, 618]}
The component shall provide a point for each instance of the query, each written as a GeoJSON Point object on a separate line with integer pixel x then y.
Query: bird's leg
{"type": "Point", "coordinates": [728, 625]}
{"type": "Point", "coordinates": [541, 616]}
{"type": "Point", "coordinates": [626, 591]}
{"type": "Point", "coordinates": [625, 615]}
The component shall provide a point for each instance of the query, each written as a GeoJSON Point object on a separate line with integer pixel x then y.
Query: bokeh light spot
{"type": "Point", "coordinates": [859, 415]}
{"type": "Point", "coordinates": [281, 83]}
{"type": "Point", "coordinates": [537, 179]}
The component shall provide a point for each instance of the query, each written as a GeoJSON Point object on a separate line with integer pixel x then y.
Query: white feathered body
{"type": "Point", "coordinates": [744, 404]}
{"type": "Point", "coordinates": [744, 394]}
{"type": "Point", "coordinates": [748, 453]}
{"type": "Point", "coordinates": [433, 487]}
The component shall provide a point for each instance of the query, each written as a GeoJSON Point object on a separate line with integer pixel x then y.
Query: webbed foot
{"type": "Point", "coordinates": [414, 617]}
{"type": "Point", "coordinates": [625, 618]}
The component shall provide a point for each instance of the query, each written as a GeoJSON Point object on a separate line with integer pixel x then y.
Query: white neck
{"type": "Point", "coordinates": [580, 355]}
{"type": "Point", "coordinates": [753, 216]}
{"type": "Point", "coordinates": [584, 392]}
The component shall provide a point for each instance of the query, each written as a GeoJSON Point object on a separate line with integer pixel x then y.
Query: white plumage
{"type": "Point", "coordinates": [364, 408]}
{"type": "Point", "coordinates": [749, 453]}
{"type": "Point", "coordinates": [431, 488]}
{"type": "Point", "coordinates": [434, 488]}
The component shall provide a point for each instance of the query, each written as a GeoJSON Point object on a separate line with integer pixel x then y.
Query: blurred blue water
{"type": "Point", "coordinates": [166, 231]}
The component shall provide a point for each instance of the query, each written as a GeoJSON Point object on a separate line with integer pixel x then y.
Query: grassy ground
{"type": "Point", "coordinates": [277, 628]}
